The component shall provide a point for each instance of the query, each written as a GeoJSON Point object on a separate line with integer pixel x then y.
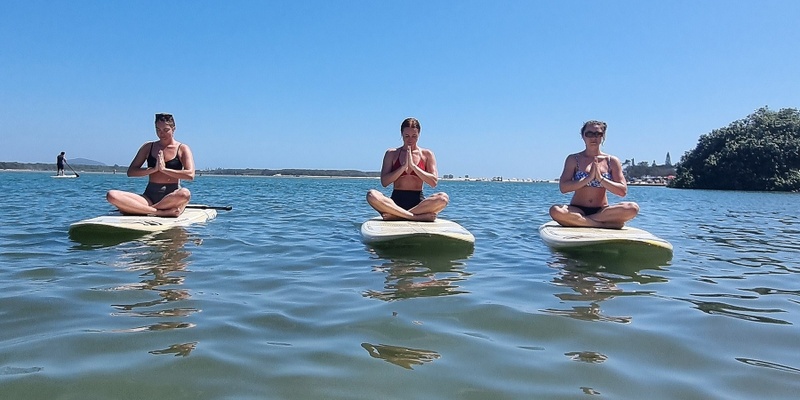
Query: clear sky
{"type": "Point", "coordinates": [501, 88]}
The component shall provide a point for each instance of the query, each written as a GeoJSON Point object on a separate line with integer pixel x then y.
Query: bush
{"type": "Point", "coordinates": [760, 152]}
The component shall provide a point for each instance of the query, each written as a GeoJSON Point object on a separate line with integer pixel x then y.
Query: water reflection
{"type": "Point", "coordinates": [591, 357]}
{"type": "Point", "coordinates": [96, 240]}
{"type": "Point", "coordinates": [161, 260]}
{"type": "Point", "coordinates": [595, 277]}
{"type": "Point", "coordinates": [767, 364]}
{"type": "Point", "coordinates": [182, 350]}
{"type": "Point", "coordinates": [743, 313]}
{"type": "Point", "coordinates": [420, 272]}
{"type": "Point", "coordinates": [402, 356]}
{"type": "Point", "coordinates": [19, 370]}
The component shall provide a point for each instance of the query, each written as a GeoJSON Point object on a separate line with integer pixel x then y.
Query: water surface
{"type": "Point", "coordinates": [279, 298]}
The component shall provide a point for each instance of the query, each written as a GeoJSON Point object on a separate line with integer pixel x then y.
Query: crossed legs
{"type": "Point", "coordinates": [614, 216]}
{"type": "Point", "coordinates": [128, 203]}
{"type": "Point", "coordinates": [426, 210]}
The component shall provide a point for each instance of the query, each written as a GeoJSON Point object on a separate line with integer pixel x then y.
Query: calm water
{"type": "Point", "coordinates": [279, 298]}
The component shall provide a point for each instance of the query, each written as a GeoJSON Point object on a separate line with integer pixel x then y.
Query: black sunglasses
{"type": "Point", "coordinates": [593, 134]}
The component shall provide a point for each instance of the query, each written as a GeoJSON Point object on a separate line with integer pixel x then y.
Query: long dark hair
{"type": "Point", "coordinates": [410, 123]}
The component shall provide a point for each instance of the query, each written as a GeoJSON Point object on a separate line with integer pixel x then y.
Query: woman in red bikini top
{"type": "Point", "coordinates": [407, 168]}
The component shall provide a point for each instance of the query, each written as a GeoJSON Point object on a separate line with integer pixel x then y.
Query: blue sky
{"type": "Point", "coordinates": [501, 88]}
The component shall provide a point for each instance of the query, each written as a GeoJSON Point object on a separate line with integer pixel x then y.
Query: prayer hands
{"type": "Point", "coordinates": [594, 170]}
{"type": "Point", "coordinates": [160, 165]}
{"type": "Point", "coordinates": [409, 160]}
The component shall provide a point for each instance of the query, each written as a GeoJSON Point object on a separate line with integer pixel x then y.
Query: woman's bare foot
{"type": "Point", "coordinates": [426, 217]}
{"type": "Point", "coordinates": [170, 213]}
{"type": "Point", "coordinates": [391, 217]}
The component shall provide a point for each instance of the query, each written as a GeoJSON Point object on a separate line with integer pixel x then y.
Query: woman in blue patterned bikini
{"type": "Point", "coordinates": [407, 168]}
{"type": "Point", "coordinates": [590, 174]}
{"type": "Point", "coordinates": [164, 196]}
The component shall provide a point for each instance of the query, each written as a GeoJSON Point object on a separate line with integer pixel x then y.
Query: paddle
{"type": "Point", "coordinates": [73, 171]}
{"type": "Point", "coordinates": [202, 207]}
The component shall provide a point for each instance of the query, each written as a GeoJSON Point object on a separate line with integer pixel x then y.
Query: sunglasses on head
{"type": "Point", "coordinates": [593, 134]}
{"type": "Point", "coordinates": [163, 117]}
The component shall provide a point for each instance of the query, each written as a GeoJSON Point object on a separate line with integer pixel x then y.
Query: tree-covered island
{"type": "Point", "coordinates": [760, 152]}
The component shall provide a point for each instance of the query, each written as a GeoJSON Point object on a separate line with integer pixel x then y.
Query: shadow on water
{"type": "Point", "coordinates": [621, 257]}
{"type": "Point", "coordinates": [402, 356]}
{"type": "Point", "coordinates": [738, 312]}
{"type": "Point", "coordinates": [420, 268]}
{"type": "Point", "coordinates": [161, 260]}
{"type": "Point", "coordinates": [597, 274]}
{"type": "Point", "coordinates": [99, 238]}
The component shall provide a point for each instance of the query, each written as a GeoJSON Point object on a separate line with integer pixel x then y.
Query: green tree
{"type": "Point", "coordinates": [759, 152]}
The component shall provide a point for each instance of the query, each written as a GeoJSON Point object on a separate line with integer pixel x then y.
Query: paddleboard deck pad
{"type": "Point", "coordinates": [564, 237]}
{"type": "Point", "coordinates": [377, 231]}
{"type": "Point", "coordinates": [117, 223]}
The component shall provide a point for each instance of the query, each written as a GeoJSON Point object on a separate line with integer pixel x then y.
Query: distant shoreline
{"type": "Point", "coordinates": [253, 172]}
{"type": "Point", "coordinates": [286, 176]}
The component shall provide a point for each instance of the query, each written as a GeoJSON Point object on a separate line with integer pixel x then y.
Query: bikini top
{"type": "Point", "coordinates": [579, 174]}
{"type": "Point", "coordinates": [420, 164]}
{"type": "Point", "coordinates": [175, 163]}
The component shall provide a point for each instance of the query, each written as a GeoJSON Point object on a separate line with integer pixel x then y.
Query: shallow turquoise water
{"type": "Point", "coordinates": [279, 298]}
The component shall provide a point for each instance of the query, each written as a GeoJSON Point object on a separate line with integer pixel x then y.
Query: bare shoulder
{"type": "Point", "coordinates": [390, 154]}
{"type": "Point", "coordinates": [145, 148]}
{"type": "Point", "coordinates": [184, 150]}
{"type": "Point", "coordinates": [572, 158]}
{"type": "Point", "coordinates": [426, 152]}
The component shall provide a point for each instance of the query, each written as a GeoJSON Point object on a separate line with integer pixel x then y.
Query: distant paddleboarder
{"type": "Point", "coordinates": [60, 160]}
{"type": "Point", "coordinates": [168, 162]}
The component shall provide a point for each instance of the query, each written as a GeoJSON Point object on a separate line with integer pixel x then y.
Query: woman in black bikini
{"type": "Point", "coordinates": [590, 174]}
{"type": "Point", "coordinates": [163, 196]}
{"type": "Point", "coordinates": [408, 167]}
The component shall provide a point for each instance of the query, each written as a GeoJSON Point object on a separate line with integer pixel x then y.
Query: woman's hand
{"type": "Point", "coordinates": [409, 160]}
{"type": "Point", "coordinates": [594, 171]}
{"type": "Point", "coordinates": [160, 165]}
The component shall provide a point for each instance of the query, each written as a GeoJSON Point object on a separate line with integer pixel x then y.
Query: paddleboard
{"type": "Point", "coordinates": [118, 223]}
{"type": "Point", "coordinates": [563, 237]}
{"type": "Point", "coordinates": [376, 230]}
{"type": "Point", "coordinates": [63, 176]}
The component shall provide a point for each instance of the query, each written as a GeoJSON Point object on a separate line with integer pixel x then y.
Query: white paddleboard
{"type": "Point", "coordinates": [143, 224]}
{"type": "Point", "coordinates": [376, 230]}
{"type": "Point", "coordinates": [63, 176]}
{"type": "Point", "coordinates": [563, 237]}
